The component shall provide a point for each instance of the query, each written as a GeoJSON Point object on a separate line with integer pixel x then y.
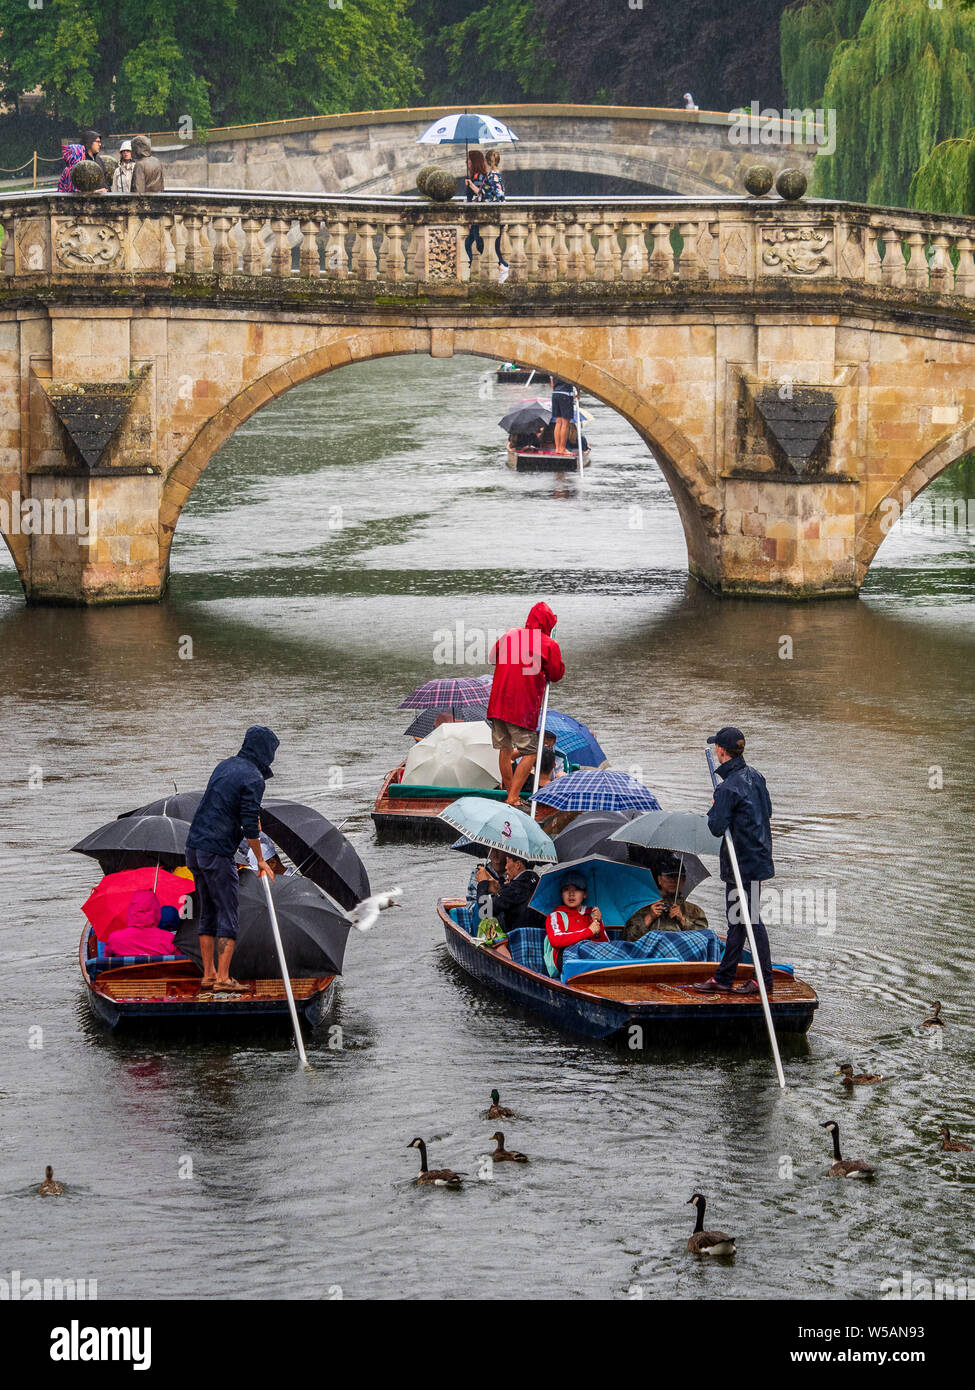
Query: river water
{"type": "Point", "coordinates": [315, 569]}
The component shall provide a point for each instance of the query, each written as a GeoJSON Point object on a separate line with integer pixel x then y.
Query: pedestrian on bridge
{"type": "Point", "coordinates": [147, 177]}
{"type": "Point", "coordinates": [742, 806]}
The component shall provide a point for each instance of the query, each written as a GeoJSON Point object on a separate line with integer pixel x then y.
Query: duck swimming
{"type": "Point", "coordinates": [704, 1242]}
{"type": "Point", "coordinates": [845, 1167]}
{"type": "Point", "coordinates": [503, 1155]}
{"type": "Point", "coordinates": [953, 1146]}
{"type": "Point", "coordinates": [50, 1188]}
{"type": "Point", "coordinates": [863, 1078]}
{"type": "Point", "coordinates": [436, 1177]}
{"type": "Point", "coordinates": [934, 1019]}
{"type": "Point", "coordinates": [499, 1111]}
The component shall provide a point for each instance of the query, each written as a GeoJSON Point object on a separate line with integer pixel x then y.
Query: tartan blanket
{"type": "Point", "coordinates": [96, 964]}
{"type": "Point", "coordinates": [655, 946]}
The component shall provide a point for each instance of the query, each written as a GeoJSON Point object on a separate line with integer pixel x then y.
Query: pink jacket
{"type": "Point", "coordinates": [141, 941]}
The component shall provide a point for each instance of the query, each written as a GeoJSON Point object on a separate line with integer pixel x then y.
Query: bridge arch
{"type": "Point", "coordinates": [685, 471]}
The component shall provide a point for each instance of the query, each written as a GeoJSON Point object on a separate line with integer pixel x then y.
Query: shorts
{"type": "Point", "coordinates": [513, 738]}
{"type": "Point", "coordinates": [217, 890]}
{"type": "Point", "coordinates": [563, 407]}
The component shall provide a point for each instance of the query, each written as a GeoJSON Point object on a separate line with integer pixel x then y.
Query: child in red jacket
{"type": "Point", "coordinates": [571, 923]}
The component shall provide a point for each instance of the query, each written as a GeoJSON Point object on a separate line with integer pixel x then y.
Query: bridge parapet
{"type": "Point", "coordinates": [548, 242]}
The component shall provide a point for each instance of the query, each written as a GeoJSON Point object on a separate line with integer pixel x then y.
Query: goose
{"type": "Point", "coordinates": [863, 1078]}
{"type": "Point", "coordinates": [934, 1019]}
{"type": "Point", "coordinates": [953, 1146]}
{"type": "Point", "coordinates": [438, 1177]}
{"type": "Point", "coordinates": [50, 1188]}
{"type": "Point", "coordinates": [499, 1111]}
{"type": "Point", "coordinates": [503, 1155]}
{"type": "Point", "coordinates": [845, 1167]}
{"type": "Point", "coordinates": [704, 1242]}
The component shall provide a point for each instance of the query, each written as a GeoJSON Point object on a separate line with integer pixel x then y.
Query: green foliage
{"type": "Point", "coordinates": [902, 85]}
{"type": "Point", "coordinates": [485, 54]}
{"type": "Point", "coordinates": [122, 64]}
{"type": "Point", "coordinates": [809, 34]}
{"type": "Point", "coordinates": [945, 181]}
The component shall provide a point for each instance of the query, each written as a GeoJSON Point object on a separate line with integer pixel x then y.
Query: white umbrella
{"type": "Point", "coordinates": [467, 128]}
{"type": "Point", "coordinates": [454, 755]}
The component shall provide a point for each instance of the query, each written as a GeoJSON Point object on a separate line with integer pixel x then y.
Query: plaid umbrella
{"type": "Point", "coordinates": [592, 790]}
{"type": "Point", "coordinates": [426, 721]}
{"type": "Point", "coordinates": [574, 739]}
{"type": "Point", "coordinates": [450, 693]}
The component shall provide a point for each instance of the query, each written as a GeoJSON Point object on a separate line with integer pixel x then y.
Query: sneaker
{"type": "Point", "coordinates": [711, 987]}
{"type": "Point", "coordinates": [503, 272]}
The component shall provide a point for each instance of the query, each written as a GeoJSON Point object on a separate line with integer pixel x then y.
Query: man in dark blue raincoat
{"type": "Point", "coordinates": [230, 809]}
{"type": "Point", "coordinates": [743, 806]}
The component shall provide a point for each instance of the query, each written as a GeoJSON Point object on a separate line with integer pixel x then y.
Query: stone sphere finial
{"type": "Point", "coordinates": [424, 174]}
{"type": "Point", "coordinates": [440, 186]}
{"type": "Point", "coordinates": [87, 176]}
{"type": "Point", "coordinates": [758, 179]}
{"type": "Point", "coordinates": [791, 184]}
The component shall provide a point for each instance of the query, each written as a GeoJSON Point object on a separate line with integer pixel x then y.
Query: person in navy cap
{"type": "Point", "coordinates": [742, 805]}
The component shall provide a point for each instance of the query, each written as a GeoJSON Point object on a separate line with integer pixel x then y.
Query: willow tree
{"type": "Point", "coordinates": [809, 35]}
{"type": "Point", "coordinates": [904, 84]}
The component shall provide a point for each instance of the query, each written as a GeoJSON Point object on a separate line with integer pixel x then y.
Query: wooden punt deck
{"type": "Point", "coordinates": [665, 983]}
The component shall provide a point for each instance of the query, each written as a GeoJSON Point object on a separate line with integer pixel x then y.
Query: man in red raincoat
{"type": "Point", "coordinates": [524, 660]}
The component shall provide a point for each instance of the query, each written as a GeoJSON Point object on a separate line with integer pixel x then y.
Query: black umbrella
{"type": "Point", "coordinates": [182, 806]}
{"type": "Point", "coordinates": [314, 930]}
{"type": "Point", "coordinates": [136, 842]}
{"type": "Point", "coordinates": [426, 721]}
{"type": "Point", "coordinates": [318, 849]}
{"type": "Point", "coordinates": [590, 834]}
{"type": "Point", "coordinates": [525, 419]}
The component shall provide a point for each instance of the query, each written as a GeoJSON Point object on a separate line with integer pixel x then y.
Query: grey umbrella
{"type": "Point", "coordinates": [136, 842]}
{"type": "Point", "coordinates": [682, 832]}
{"type": "Point", "coordinates": [592, 832]}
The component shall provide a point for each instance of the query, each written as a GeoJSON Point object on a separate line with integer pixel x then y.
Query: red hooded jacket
{"type": "Point", "coordinates": [523, 660]}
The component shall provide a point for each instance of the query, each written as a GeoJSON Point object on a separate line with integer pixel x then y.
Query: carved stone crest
{"type": "Point", "coordinates": [796, 250]}
{"type": "Point", "coordinates": [88, 246]}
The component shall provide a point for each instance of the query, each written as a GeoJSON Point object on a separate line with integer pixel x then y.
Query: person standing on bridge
{"type": "Point", "coordinates": [122, 178]}
{"type": "Point", "coordinates": [742, 805]}
{"type": "Point", "coordinates": [524, 660]}
{"type": "Point", "coordinates": [147, 177]}
{"type": "Point", "coordinates": [229, 809]}
{"type": "Point", "coordinates": [90, 148]}
{"type": "Point", "coordinates": [494, 193]}
{"type": "Point", "coordinates": [474, 183]}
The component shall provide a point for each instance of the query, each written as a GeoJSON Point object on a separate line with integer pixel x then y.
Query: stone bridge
{"type": "Point", "coordinates": [656, 150]}
{"type": "Point", "coordinates": [799, 371]}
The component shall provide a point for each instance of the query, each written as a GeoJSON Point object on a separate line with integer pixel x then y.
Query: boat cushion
{"type": "Point", "coordinates": [397, 791]}
{"type": "Point", "coordinates": [655, 946]}
{"type": "Point", "coordinates": [467, 917]}
{"type": "Point", "coordinates": [96, 964]}
{"type": "Point", "coordinates": [527, 947]}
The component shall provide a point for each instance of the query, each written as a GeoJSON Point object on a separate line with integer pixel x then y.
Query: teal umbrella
{"type": "Point", "coordinates": [618, 890]}
{"type": "Point", "coordinates": [499, 826]}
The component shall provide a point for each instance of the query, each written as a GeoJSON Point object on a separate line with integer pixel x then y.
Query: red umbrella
{"type": "Point", "coordinates": [108, 906]}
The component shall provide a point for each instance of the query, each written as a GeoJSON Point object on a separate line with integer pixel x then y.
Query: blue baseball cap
{"type": "Point", "coordinates": [727, 737]}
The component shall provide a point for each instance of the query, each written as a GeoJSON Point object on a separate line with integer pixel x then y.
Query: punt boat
{"type": "Point", "coordinates": [606, 1003]}
{"type": "Point", "coordinates": [414, 811]}
{"type": "Point", "coordinates": [165, 991]}
{"type": "Point", "coordinates": [545, 460]}
{"type": "Point", "coordinates": [517, 376]}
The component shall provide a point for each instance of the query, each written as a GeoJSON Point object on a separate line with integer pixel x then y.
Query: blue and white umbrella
{"type": "Point", "coordinates": [467, 128]}
{"type": "Point", "coordinates": [597, 791]}
{"type": "Point", "coordinates": [499, 826]}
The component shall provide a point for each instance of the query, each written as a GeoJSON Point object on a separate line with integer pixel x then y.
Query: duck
{"type": "Point", "coordinates": [50, 1188]}
{"type": "Point", "coordinates": [704, 1242]}
{"type": "Point", "coordinates": [503, 1155]}
{"type": "Point", "coordinates": [499, 1111]}
{"type": "Point", "coordinates": [435, 1177]}
{"type": "Point", "coordinates": [934, 1019]}
{"type": "Point", "coordinates": [863, 1078]}
{"type": "Point", "coordinates": [953, 1146]}
{"type": "Point", "coordinates": [845, 1167]}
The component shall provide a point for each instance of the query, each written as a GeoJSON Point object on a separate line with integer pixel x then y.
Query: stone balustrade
{"type": "Point", "coordinates": [636, 244]}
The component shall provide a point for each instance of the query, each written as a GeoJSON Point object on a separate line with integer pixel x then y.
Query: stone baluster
{"type": "Point", "coordinates": [589, 251]}
{"type": "Point", "coordinates": [561, 252]}
{"type": "Point", "coordinates": [575, 261]}
{"type": "Point", "coordinates": [532, 252]}
{"type": "Point", "coordinates": [309, 262]}
{"type": "Point", "coordinates": [7, 262]}
{"type": "Point", "coordinates": [336, 259]}
{"type": "Point", "coordinates": [873, 272]}
{"type": "Point", "coordinates": [364, 260]}
{"type": "Point", "coordinates": [253, 256]}
{"type": "Point", "coordinates": [518, 260]}
{"type": "Point", "coordinates": [605, 262]}
{"type": "Point", "coordinates": [393, 260]}
{"type": "Point", "coordinates": [965, 274]}
{"type": "Point", "coordinates": [224, 255]}
{"type": "Point", "coordinates": [546, 251]}
{"type": "Point", "coordinates": [488, 269]}
{"type": "Point", "coordinates": [662, 255]}
{"type": "Point", "coordinates": [206, 245]}
{"type": "Point", "coordinates": [942, 275]}
{"type": "Point", "coordinates": [192, 252]}
{"type": "Point", "coordinates": [894, 271]}
{"type": "Point", "coordinates": [412, 250]}
{"type": "Point", "coordinates": [179, 242]}
{"type": "Point", "coordinates": [690, 266]}
{"type": "Point", "coordinates": [169, 245]}
{"type": "Point", "coordinates": [916, 272]}
{"type": "Point", "coordinates": [634, 251]}
{"type": "Point", "coordinates": [280, 249]}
